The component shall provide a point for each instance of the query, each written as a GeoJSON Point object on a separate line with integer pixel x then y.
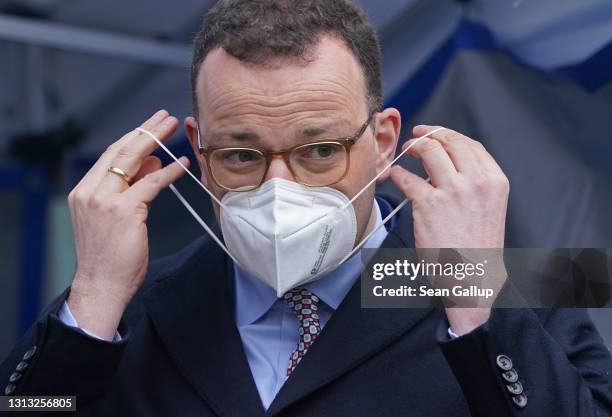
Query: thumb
{"type": "Point", "coordinates": [413, 186]}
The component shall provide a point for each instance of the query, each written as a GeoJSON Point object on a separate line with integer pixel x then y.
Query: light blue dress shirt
{"type": "Point", "coordinates": [269, 329]}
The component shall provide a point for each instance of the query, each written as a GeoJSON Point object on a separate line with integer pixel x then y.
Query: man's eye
{"type": "Point", "coordinates": [241, 156]}
{"type": "Point", "coordinates": [323, 151]}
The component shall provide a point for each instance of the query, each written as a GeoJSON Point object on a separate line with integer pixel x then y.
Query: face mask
{"type": "Point", "coordinates": [283, 232]}
{"type": "Point", "coordinates": [282, 219]}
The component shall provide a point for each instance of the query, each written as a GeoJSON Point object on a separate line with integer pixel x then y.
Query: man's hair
{"type": "Point", "coordinates": [262, 31]}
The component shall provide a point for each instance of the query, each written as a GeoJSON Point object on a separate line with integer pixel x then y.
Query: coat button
{"type": "Point", "coordinates": [510, 376]}
{"type": "Point", "coordinates": [10, 388]}
{"type": "Point", "coordinates": [15, 376]}
{"type": "Point", "coordinates": [504, 362]}
{"type": "Point", "coordinates": [21, 366]}
{"type": "Point", "coordinates": [520, 400]}
{"type": "Point", "coordinates": [28, 355]}
{"type": "Point", "coordinates": [515, 388]}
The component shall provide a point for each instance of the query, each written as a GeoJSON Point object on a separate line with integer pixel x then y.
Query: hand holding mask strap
{"type": "Point", "coordinates": [183, 200]}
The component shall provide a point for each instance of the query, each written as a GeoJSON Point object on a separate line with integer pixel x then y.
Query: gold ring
{"type": "Point", "coordinates": [121, 173]}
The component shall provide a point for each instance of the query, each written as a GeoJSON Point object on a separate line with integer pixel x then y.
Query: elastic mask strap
{"type": "Point", "coordinates": [184, 201]}
{"type": "Point", "coordinates": [384, 221]}
{"type": "Point", "coordinates": [161, 145]}
{"type": "Point", "coordinates": [389, 166]}
{"type": "Point", "coordinates": [396, 209]}
{"type": "Point", "coordinates": [369, 235]}
{"type": "Point", "coordinates": [202, 222]}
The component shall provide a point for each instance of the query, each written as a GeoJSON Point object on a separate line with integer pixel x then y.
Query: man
{"type": "Point", "coordinates": [281, 88]}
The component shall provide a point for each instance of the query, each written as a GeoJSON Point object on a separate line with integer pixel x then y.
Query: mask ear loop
{"type": "Point", "coordinates": [183, 200]}
{"type": "Point", "coordinates": [396, 209]}
{"type": "Point", "coordinates": [161, 145]}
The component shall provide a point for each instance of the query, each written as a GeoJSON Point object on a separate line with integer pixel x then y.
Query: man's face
{"type": "Point", "coordinates": [280, 106]}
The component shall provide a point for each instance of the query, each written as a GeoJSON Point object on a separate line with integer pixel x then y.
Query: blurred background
{"type": "Point", "coordinates": [531, 79]}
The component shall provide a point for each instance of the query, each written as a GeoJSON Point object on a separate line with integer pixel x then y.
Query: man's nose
{"type": "Point", "coordinates": [278, 169]}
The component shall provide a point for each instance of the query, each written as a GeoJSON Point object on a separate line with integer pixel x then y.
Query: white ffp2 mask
{"type": "Point", "coordinates": [288, 234]}
{"type": "Point", "coordinates": [285, 233]}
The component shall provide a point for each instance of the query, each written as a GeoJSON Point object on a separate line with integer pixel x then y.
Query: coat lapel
{"type": "Point", "coordinates": [192, 310]}
{"type": "Point", "coordinates": [352, 334]}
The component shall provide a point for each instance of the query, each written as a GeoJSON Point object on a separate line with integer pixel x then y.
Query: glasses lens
{"type": "Point", "coordinates": [319, 163]}
{"type": "Point", "coordinates": [238, 168]}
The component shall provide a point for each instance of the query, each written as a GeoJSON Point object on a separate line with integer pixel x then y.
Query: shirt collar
{"type": "Point", "coordinates": [254, 298]}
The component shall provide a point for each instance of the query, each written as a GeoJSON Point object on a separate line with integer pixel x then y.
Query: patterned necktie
{"type": "Point", "coordinates": [306, 307]}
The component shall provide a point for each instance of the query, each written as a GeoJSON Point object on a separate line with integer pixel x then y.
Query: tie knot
{"type": "Point", "coordinates": [303, 303]}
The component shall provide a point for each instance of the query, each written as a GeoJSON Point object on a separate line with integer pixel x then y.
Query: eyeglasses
{"type": "Point", "coordinates": [315, 164]}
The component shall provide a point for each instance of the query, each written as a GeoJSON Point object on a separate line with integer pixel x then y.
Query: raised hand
{"type": "Point", "coordinates": [464, 206]}
{"type": "Point", "coordinates": [109, 216]}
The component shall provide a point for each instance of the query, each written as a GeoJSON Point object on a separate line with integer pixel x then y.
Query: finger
{"type": "Point", "coordinates": [93, 177]}
{"type": "Point", "coordinates": [435, 159]}
{"type": "Point", "coordinates": [146, 189]}
{"type": "Point", "coordinates": [486, 159]}
{"type": "Point", "coordinates": [130, 157]}
{"type": "Point", "coordinates": [457, 146]}
{"type": "Point", "coordinates": [413, 186]}
{"type": "Point", "coordinates": [149, 165]}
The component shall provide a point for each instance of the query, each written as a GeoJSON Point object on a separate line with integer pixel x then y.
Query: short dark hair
{"type": "Point", "coordinates": [257, 31]}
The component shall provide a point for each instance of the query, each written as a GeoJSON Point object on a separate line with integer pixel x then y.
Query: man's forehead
{"type": "Point", "coordinates": [331, 76]}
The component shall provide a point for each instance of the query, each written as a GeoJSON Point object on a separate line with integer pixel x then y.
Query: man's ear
{"type": "Point", "coordinates": [191, 128]}
{"type": "Point", "coordinates": [388, 126]}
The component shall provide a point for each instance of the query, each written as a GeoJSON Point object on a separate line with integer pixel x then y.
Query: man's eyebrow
{"type": "Point", "coordinates": [246, 136]}
{"type": "Point", "coordinates": [311, 132]}
{"type": "Point", "coordinates": [335, 129]}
